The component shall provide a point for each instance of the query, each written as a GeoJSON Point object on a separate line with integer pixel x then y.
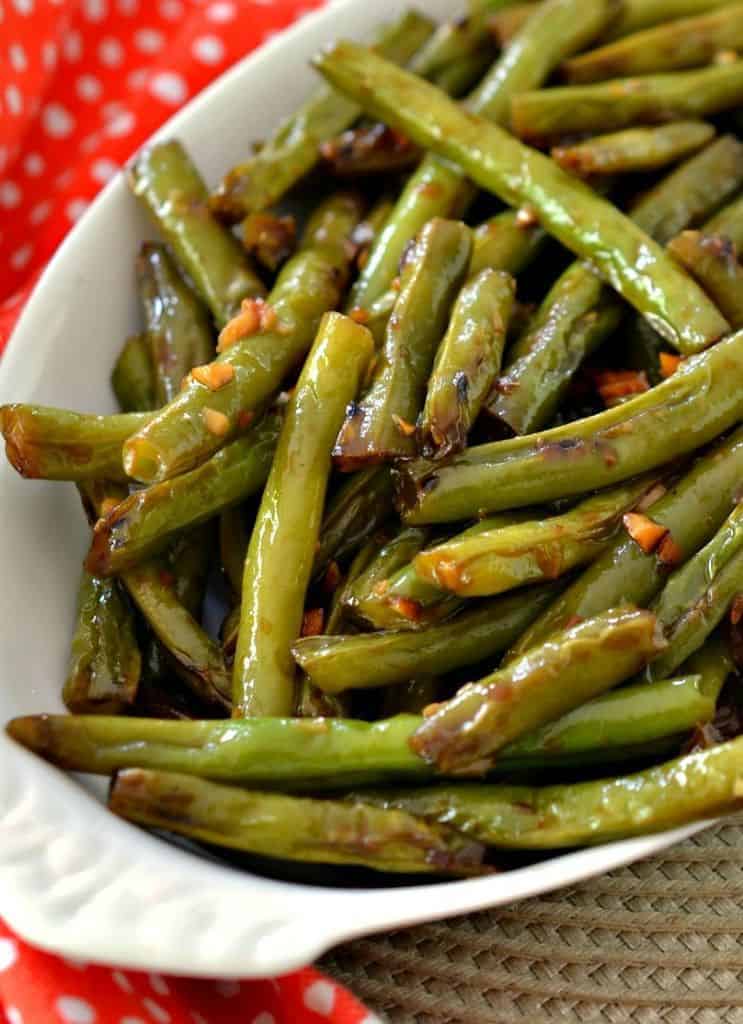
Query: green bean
{"type": "Point", "coordinates": [53, 444]}
{"type": "Point", "coordinates": [293, 150]}
{"type": "Point", "coordinates": [367, 660]}
{"type": "Point", "coordinates": [246, 376]}
{"type": "Point", "coordinates": [698, 595]}
{"type": "Point", "coordinates": [607, 106]}
{"type": "Point", "coordinates": [467, 362]}
{"type": "Point", "coordinates": [691, 408]}
{"type": "Point", "coordinates": [728, 222]}
{"type": "Point", "coordinates": [559, 29]}
{"type": "Point", "coordinates": [188, 561]}
{"type": "Point", "coordinates": [234, 538]}
{"type": "Point", "coordinates": [451, 42]}
{"type": "Point", "coordinates": [501, 559]}
{"type": "Point", "coordinates": [292, 828]}
{"type": "Point", "coordinates": [356, 511]}
{"type": "Point", "coordinates": [686, 43]}
{"type": "Point", "coordinates": [461, 75]}
{"type": "Point", "coordinates": [678, 792]}
{"type": "Point", "coordinates": [713, 662]}
{"type": "Point", "coordinates": [270, 238]}
{"type": "Point", "coordinates": [198, 657]}
{"type": "Point", "coordinates": [508, 241]}
{"type": "Point", "coordinates": [132, 377]}
{"type": "Point", "coordinates": [298, 754]}
{"type": "Point", "coordinates": [368, 148]}
{"type": "Point", "coordinates": [635, 149]}
{"type": "Point", "coordinates": [575, 316]}
{"type": "Point", "coordinates": [465, 734]}
{"type": "Point", "coordinates": [381, 425]}
{"type": "Point", "coordinates": [171, 189]}
{"type": "Point", "coordinates": [691, 511]}
{"type": "Point", "coordinates": [636, 15]}
{"type": "Point", "coordinates": [507, 23]}
{"type": "Point", "coordinates": [178, 326]}
{"type": "Point", "coordinates": [145, 522]}
{"type": "Point", "coordinates": [339, 603]}
{"type": "Point", "coordinates": [391, 556]}
{"type": "Point", "coordinates": [566, 207]}
{"type": "Point", "coordinates": [693, 191]}
{"type": "Point", "coordinates": [282, 547]}
{"type": "Point", "coordinates": [713, 261]}
{"type": "Point", "coordinates": [105, 663]}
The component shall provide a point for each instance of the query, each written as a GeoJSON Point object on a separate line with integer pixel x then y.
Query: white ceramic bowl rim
{"type": "Point", "coordinates": [72, 877]}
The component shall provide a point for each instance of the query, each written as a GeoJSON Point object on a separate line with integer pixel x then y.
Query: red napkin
{"type": "Point", "coordinates": [82, 84]}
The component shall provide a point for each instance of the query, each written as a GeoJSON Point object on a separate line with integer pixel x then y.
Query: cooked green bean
{"type": "Point", "coordinates": [461, 75]}
{"type": "Point", "coordinates": [698, 595]}
{"type": "Point", "coordinates": [393, 555]}
{"type": "Point", "coordinates": [132, 378]}
{"type": "Point", "coordinates": [635, 149]}
{"type": "Point", "coordinates": [649, 99]}
{"type": "Point", "coordinates": [292, 828]}
{"type": "Point", "coordinates": [686, 43]}
{"type": "Point", "coordinates": [188, 560]}
{"type": "Point", "coordinates": [234, 538]}
{"type": "Point", "coordinates": [507, 242]}
{"type": "Point", "coordinates": [279, 562]}
{"type": "Point", "coordinates": [559, 29]}
{"type": "Point", "coordinates": [678, 792]}
{"type": "Point", "coordinates": [464, 735]}
{"type": "Point", "coordinates": [691, 408]}
{"type": "Point", "coordinates": [507, 23]}
{"type": "Point", "coordinates": [728, 222]}
{"type": "Point", "coordinates": [714, 663]}
{"type": "Point", "coordinates": [566, 207]}
{"type": "Point", "coordinates": [367, 660]}
{"type": "Point", "coordinates": [693, 191]}
{"type": "Point", "coordinates": [713, 261]}
{"type": "Point", "coordinates": [691, 511]}
{"type": "Point", "coordinates": [636, 15]}
{"type": "Point", "coordinates": [147, 519]}
{"type": "Point", "coordinates": [55, 444]}
{"type": "Point", "coordinates": [175, 196]}
{"type": "Point", "coordinates": [381, 426]}
{"type": "Point", "coordinates": [177, 323]}
{"type": "Point", "coordinates": [293, 150]}
{"type": "Point", "coordinates": [543, 549]}
{"type": "Point", "coordinates": [105, 663]}
{"type": "Point", "coordinates": [356, 511]}
{"type": "Point", "coordinates": [224, 399]}
{"type": "Point", "coordinates": [467, 362]}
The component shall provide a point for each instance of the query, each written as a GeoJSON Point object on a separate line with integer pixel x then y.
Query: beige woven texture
{"type": "Point", "coordinates": [660, 940]}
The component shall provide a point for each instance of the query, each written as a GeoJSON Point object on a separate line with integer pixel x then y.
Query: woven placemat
{"type": "Point", "coordinates": [661, 940]}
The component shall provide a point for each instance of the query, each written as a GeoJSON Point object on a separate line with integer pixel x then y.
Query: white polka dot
{"type": "Point", "coordinates": [10, 197]}
{"type": "Point", "coordinates": [88, 88]}
{"type": "Point", "coordinates": [121, 980]}
{"type": "Point", "coordinates": [159, 985]}
{"type": "Point", "coordinates": [264, 1018]}
{"type": "Point", "coordinates": [14, 99]}
{"type": "Point", "coordinates": [102, 170]}
{"type": "Point", "coordinates": [17, 55]}
{"type": "Point", "coordinates": [221, 12]}
{"type": "Point", "coordinates": [33, 165]}
{"type": "Point", "coordinates": [20, 258]}
{"type": "Point", "coordinates": [128, 6]}
{"type": "Point", "coordinates": [95, 10]}
{"type": "Point", "coordinates": [168, 87]}
{"type": "Point", "coordinates": [75, 1011]}
{"type": "Point", "coordinates": [49, 55]}
{"type": "Point", "coordinates": [111, 52]}
{"type": "Point", "coordinates": [156, 1012]}
{"type": "Point", "coordinates": [57, 122]}
{"type": "Point", "coordinates": [23, 6]}
{"type": "Point", "coordinates": [122, 124]}
{"type": "Point", "coordinates": [40, 212]}
{"type": "Point", "coordinates": [111, 110]}
{"type": "Point", "coordinates": [136, 79]}
{"type": "Point", "coordinates": [320, 997]}
{"type": "Point", "coordinates": [63, 180]}
{"type": "Point", "coordinates": [8, 948]}
{"type": "Point", "coordinates": [227, 988]}
{"type": "Point", "coordinates": [76, 208]}
{"type": "Point", "coordinates": [148, 40]}
{"type": "Point", "coordinates": [208, 49]}
{"type": "Point", "coordinates": [171, 10]}
{"type": "Point", "coordinates": [90, 142]}
{"type": "Point", "coordinates": [14, 1015]}
{"type": "Point", "coordinates": [72, 46]}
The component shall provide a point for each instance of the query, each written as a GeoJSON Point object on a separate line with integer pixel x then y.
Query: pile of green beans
{"type": "Point", "coordinates": [422, 538]}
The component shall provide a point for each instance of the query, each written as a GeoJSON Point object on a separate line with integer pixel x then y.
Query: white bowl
{"type": "Point", "coordinates": [73, 878]}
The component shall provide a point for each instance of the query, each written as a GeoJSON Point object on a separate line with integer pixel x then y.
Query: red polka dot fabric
{"type": "Point", "coordinates": [37, 988]}
{"type": "Point", "coordinates": [82, 84]}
